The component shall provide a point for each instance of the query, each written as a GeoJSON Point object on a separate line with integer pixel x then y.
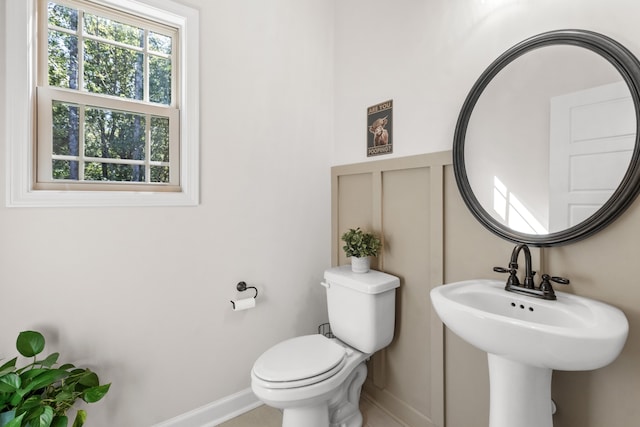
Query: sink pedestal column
{"type": "Point", "coordinates": [520, 395]}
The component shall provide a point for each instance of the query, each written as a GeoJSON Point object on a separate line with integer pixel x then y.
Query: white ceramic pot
{"type": "Point", "coordinates": [360, 265]}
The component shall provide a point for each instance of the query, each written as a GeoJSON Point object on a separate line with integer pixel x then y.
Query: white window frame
{"type": "Point", "coordinates": [20, 106]}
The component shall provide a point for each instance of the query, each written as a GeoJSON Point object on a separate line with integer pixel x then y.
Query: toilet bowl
{"type": "Point", "coordinates": [315, 380]}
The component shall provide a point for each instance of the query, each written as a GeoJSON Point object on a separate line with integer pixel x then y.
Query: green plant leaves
{"type": "Point", "coordinates": [81, 417]}
{"type": "Point", "coordinates": [30, 343]}
{"type": "Point", "coordinates": [10, 383]}
{"type": "Point", "coordinates": [89, 379]}
{"type": "Point", "coordinates": [360, 244]}
{"type": "Point", "coordinates": [32, 402]}
{"type": "Point", "coordinates": [42, 417]}
{"type": "Point", "coordinates": [41, 393]}
{"type": "Point", "coordinates": [60, 421]}
{"type": "Point", "coordinates": [94, 394]}
{"type": "Point", "coordinates": [45, 378]}
{"type": "Point", "coordinates": [8, 366]}
{"type": "Point", "coordinates": [50, 360]}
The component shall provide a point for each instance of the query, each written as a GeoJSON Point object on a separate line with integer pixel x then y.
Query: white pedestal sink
{"type": "Point", "coordinates": [526, 338]}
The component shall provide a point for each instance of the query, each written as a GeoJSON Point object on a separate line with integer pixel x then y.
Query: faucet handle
{"type": "Point", "coordinates": [547, 289]}
{"type": "Point", "coordinates": [560, 280]}
{"type": "Point", "coordinates": [513, 278]}
{"type": "Point", "coordinates": [546, 278]}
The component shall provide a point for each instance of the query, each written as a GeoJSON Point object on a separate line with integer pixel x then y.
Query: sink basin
{"type": "Point", "coordinates": [572, 333]}
{"type": "Point", "coordinates": [526, 339]}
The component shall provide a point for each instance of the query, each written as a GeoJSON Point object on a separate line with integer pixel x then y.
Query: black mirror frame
{"type": "Point", "coordinates": [627, 65]}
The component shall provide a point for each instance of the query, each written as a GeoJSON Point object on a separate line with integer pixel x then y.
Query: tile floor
{"type": "Point", "coordinates": [264, 416]}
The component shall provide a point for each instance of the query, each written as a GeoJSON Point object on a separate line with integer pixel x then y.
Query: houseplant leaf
{"type": "Point", "coordinates": [30, 403]}
{"type": "Point", "coordinates": [28, 375]}
{"type": "Point", "coordinates": [9, 383]}
{"type": "Point", "coordinates": [42, 393]}
{"type": "Point", "coordinates": [43, 419]}
{"type": "Point", "coordinates": [50, 360]}
{"type": "Point", "coordinates": [45, 379]}
{"type": "Point", "coordinates": [8, 366]}
{"type": "Point", "coordinates": [30, 343]}
{"type": "Point", "coordinates": [89, 379]}
{"type": "Point", "coordinates": [81, 417]}
{"type": "Point", "coordinates": [94, 394]}
{"type": "Point", "coordinates": [360, 244]}
{"type": "Point", "coordinates": [64, 395]}
{"type": "Point", "coordinates": [17, 397]}
{"type": "Point", "coordinates": [60, 421]}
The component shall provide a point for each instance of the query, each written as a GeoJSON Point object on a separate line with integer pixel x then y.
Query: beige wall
{"type": "Point", "coordinates": [401, 200]}
{"type": "Point", "coordinates": [426, 61]}
{"type": "Point", "coordinates": [600, 267]}
{"type": "Point", "coordinates": [604, 267]}
{"type": "Point", "coordinates": [410, 384]}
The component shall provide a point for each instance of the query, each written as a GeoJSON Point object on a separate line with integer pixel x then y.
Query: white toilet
{"type": "Point", "coordinates": [316, 380]}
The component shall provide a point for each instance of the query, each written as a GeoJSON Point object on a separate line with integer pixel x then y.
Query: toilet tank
{"type": "Point", "coordinates": [361, 307]}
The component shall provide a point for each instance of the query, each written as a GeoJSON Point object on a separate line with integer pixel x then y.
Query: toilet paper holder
{"type": "Point", "coordinates": [242, 286]}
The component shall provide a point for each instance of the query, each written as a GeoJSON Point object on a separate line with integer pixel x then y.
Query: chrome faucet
{"type": "Point", "coordinates": [545, 290]}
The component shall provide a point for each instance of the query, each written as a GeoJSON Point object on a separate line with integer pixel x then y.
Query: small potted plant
{"type": "Point", "coordinates": [360, 246]}
{"type": "Point", "coordinates": [40, 393]}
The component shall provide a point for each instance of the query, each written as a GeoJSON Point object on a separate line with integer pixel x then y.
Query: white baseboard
{"type": "Point", "coordinates": [215, 412]}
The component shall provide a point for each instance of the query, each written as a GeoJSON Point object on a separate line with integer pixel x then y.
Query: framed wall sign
{"type": "Point", "coordinates": [380, 129]}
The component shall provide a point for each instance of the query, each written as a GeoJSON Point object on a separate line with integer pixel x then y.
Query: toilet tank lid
{"type": "Point", "coordinates": [372, 282]}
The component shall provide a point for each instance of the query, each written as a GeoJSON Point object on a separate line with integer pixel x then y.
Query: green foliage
{"type": "Point", "coordinates": [112, 64]}
{"type": "Point", "coordinates": [360, 244]}
{"type": "Point", "coordinates": [41, 393]}
{"type": "Point", "coordinates": [30, 343]}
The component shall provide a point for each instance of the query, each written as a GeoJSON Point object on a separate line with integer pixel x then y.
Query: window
{"type": "Point", "coordinates": [128, 133]}
{"type": "Point", "coordinates": [113, 86]}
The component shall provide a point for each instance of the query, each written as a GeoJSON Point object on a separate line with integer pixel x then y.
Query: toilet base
{"type": "Point", "coordinates": [344, 409]}
{"type": "Point", "coordinates": [341, 410]}
{"type": "Point", "coordinates": [308, 416]}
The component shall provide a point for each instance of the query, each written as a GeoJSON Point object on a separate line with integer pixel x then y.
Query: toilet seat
{"type": "Point", "coordinates": [300, 361]}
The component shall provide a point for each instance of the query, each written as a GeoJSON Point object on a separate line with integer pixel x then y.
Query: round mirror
{"type": "Point", "coordinates": [546, 146]}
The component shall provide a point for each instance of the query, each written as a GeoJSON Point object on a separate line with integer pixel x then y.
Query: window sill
{"type": "Point", "coordinates": [54, 198]}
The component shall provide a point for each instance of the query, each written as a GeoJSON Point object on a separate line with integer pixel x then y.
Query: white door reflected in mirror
{"type": "Point", "coordinates": [591, 143]}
